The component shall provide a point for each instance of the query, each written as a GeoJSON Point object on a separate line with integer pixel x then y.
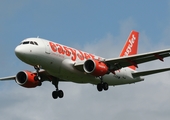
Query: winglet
{"type": "Point", "coordinates": [131, 46]}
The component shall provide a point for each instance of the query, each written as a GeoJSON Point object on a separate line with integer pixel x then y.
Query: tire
{"type": "Point", "coordinates": [60, 94]}
{"type": "Point", "coordinates": [55, 94]}
{"type": "Point", "coordinates": [40, 83]}
{"type": "Point", "coordinates": [36, 78]}
{"type": "Point", "coordinates": [105, 86]}
{"type": "Point", "coordinates": [99, 87]}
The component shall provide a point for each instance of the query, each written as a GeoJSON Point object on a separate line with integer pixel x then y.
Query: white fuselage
{"type": "Point", "coordinates": [58, 60]}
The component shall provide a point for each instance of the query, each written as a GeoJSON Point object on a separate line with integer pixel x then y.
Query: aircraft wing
{"type": "Point", "coordinates": [118, 63]}
{"type": "Point", "coordinates": [45, 76]}
{"type": "Point", "coordinates": [137, 59]}
{"type": "Point", "coordinates": [8, 78]}
{"type": "Point", "coordinates": [42, 73]}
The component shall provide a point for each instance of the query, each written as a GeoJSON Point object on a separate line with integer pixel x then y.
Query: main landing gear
{"type": "Point", "coordinates": [102, 85]}
{"type": "Point", "coordinates": [57, 93]}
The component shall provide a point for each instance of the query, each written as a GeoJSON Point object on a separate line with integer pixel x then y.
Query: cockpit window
{"type": "Point", "coordinates": [29, 42]}
{"type": "Point", "coordinates": [35, 43]}
{"type": "Point", "coordinates": [26, 42]}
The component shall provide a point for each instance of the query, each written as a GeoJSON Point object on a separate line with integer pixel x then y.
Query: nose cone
{"type": "Point", "coordinates": [19, 51]}
{"type": "Point", "coordinates": [22, 52]}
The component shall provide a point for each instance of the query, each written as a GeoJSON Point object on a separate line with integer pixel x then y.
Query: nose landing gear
{"type": "Point", "coordinates": [37, 77]}
{"type": "Point", "coordinates": [55, 94]}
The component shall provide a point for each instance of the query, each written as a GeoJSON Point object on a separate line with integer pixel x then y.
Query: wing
{"type": "Point", "coordinates": [118, 63]}
{"type": "Point", "coordinates": [44, 75]}
{"type": "Point", "coordinates": [134, 60]}
{"type": "Point", "coordinates": [8, 78]}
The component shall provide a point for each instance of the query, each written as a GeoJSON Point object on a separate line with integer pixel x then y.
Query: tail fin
{"type": "Point", "coordinates": [131, 46]}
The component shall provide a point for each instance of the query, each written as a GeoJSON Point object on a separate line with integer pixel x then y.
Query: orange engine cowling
{"type": "Point", "coordinates": [95, 67]}
{"type": "Point", "coordinates": [26, 79]}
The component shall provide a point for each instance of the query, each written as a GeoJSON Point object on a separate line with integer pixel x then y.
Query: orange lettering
{"type": "Point", "coordinates": [60, 49]}
{"type": "Point", "coordinates": [68, 53]}
{"type": "Point", "coordinates": [53, 47]}
{"type": "Point", "coordinates": [87, 56]}
{"type": "Point", "coordinates": [92, 56]}
{"type": "Point", "coordinates": [80, 56]}
{"type": "Point", "coordinates": [73, 53]}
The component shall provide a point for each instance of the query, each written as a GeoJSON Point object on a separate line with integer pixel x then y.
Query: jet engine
{"type": "Point", "coordinates": [95, 67]}
{"type": "Point", "coordinates": [26, 79]}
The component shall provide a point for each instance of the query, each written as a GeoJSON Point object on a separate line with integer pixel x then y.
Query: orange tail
{"type": "Point", "coordinates": [131, 46]}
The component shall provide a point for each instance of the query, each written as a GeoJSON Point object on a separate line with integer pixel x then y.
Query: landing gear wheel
{"type": "Point", "coordinates": [37, 78]}
{"type": "Point", "coordinates": [102, 86]}
{"type": "Point", "coordinates": [40, 83]}
{"type": "Point", "coordinates": [99, 87]}
{"type": "Point", "coordinates": [55, 94]}
{"type": "Point", "coordinates": [60, 94]}
{"type": "Point", "coordinates": [105, 86]}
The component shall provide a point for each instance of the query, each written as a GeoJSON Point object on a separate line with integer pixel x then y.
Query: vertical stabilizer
{"type": "Point", "coordinates": [131, 46]}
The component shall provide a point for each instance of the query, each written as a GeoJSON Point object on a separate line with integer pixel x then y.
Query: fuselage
{"type": "Point", "coordinates": [58, 60]}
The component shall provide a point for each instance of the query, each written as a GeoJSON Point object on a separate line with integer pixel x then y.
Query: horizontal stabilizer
{"type": "Point", "coordinates": [149, 72]}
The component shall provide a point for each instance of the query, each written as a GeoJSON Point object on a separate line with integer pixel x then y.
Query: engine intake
{"type": "Point", "coordinates": [95, 67]}
{"type": "Point", "coordinates": [26, 79]}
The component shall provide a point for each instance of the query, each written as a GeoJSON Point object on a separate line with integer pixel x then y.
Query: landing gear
{"type": "Point", "coordinates": [37, 77]}
{"type": "Point", "coordinates": [57, 93]}
{"type": "Point", "coordinates": [37, 68]}
{"type": "Point", "coordinates": [102, 86]}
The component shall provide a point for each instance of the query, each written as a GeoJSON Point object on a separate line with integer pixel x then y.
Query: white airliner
{"type": "Point", "coordinates": [59, 63]}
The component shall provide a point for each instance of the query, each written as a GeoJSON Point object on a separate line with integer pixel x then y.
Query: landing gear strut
{"type": "Point", "coordinates": [37, 77]}
{"type": "Point", "coordinates": [102, 85]}
{"type": "Point", "coordinates": [57, 93]}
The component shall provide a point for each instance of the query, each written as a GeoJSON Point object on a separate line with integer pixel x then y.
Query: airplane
{"type": "Point", "coordinates": [56, 63]}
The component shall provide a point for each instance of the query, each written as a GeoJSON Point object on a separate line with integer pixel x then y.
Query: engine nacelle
{"type": "Point", "coordinates": [26, 79]}
{"type": "Point", "coordinates": [95, 67]}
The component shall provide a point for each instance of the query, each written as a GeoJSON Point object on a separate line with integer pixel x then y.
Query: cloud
{"type": "Point", "coordinates": [110, 46]}
{"type": "Point", "coordinates": [149, 99]}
